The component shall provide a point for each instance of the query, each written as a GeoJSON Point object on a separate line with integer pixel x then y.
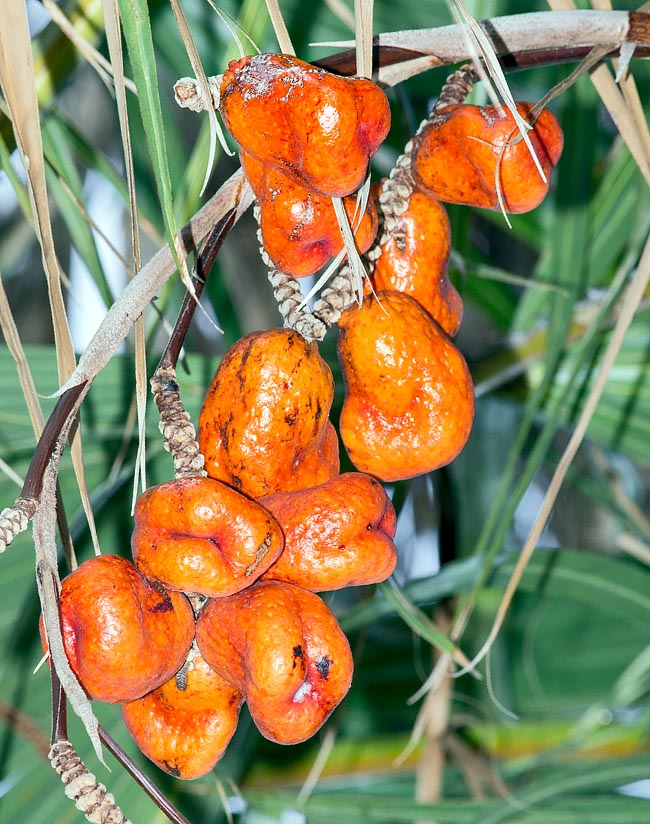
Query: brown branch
{"type": "Point", "coordinates": [175, 424]}
{"type": "Point", "coordinates": [520, 41]}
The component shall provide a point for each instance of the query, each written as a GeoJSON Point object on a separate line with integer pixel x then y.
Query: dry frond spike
{"type": "Point", "coordinates": [89, 795]}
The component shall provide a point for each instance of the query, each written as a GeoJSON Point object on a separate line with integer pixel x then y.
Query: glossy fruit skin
{"type": "Point", "coordinates": [316, 127]}
{"type": "Point", "coordinates": [320, 463]}
{"type": "Point", "coordinates": [282, 647]}
{"type": "Point", "coordinates": [185, 731]}
{"type": "Point", "coordinates": [265, 415]}
{"type": "Point", "coordinates": [299, 228]}
{"type": "Point", "coordinates": [409, 399]}
{"type": "Point", "coordinates": [200, 535]}
{"type": "Point", "coordinates": [123, 635]}
{"type": "Point", "coordinates": [337, 534]}
{"type": "Point", "coordinates": [456, 157]}
{"type": "Point", "coordinates": [415, 260]}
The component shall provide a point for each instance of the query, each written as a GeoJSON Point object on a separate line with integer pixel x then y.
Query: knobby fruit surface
{"type": "Point", "coordinates": [338, 534]}
{"type": "Point", "coordinates": [415, 260]}
{"type": "Point", "coordinates": [123, 635]}
{"type": "Point", "coordinates": [200, 535]}
{"type": "Point", "coordinates": [467, 154]}
{"type": "Point", "coordinates": [282, 647]}
{"type": "Point", "coordinates": [185, 725]}
{"type": "Point", "coordinates": [300, 232]}
{"type": "Point", "coordinates": [409, 398]}
{"type": "Point", "coordinates": [318, 128]}
{"type": "Point", "coordinates": [264, 420]}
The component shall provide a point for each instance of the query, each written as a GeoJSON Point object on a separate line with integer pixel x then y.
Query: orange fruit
{"type": "Point", "coordinates": [282, 647]}
{"type": "Point", "coordinates": [409, 399]}
{"type": "Point", "coordinates": [200, 535]}
{"type": "Point", "coordinates": [185, 731]}
{"type": "Point", "coordinates": [338, 534]}
{"type": "Point", "coordinates": [266, 414]}
{"type": "Point", "coordinates": [300, 232]}
{"type": "Point", "coordinates": [316, 127]}
{"type": "Point", "coordinates": [415, 260]}
{"type": "Point", "coordinates": [467, 153]}
{"type": "Point", "coordinates": [123, 635]}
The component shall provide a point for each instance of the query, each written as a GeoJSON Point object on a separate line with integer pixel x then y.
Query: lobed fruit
{"type": "Point", "coordinates": [200, 535]}
{"type": "Point", "coordinates": [282, 647]}
{"type": "Point", "coordinates": [123, 635]}
{"type": "Point", "coordinates": [264, 420]}
{"type": "Point", "coordinates": [300, 232]}
{"type": "Point", "coordinates": [338, 534]}
{"type": "Point", "coordinates": [467, 154]}
{"type": "Point", "coordinates": [415, 260]}
{"type": "Point", "coordinates": [409, 399]}
{"type": "Point", "coordinates": [185, 725]}
{"type": "Point", "coordinates": [316, 127]}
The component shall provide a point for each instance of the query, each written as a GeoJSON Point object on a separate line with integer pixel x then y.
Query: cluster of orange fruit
{"type": "Point", "coordinates": [219, 605]}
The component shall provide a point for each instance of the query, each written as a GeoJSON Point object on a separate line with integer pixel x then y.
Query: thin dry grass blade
{"type": "Point", "coordinates": [363, 13]}
{"type": "Point", "coordinates": [18, 84]}
{"type": "Point", "coordinates": [280, 27]}
{"type": "Point", "coordinates": [628, 119]}
{"type": "Point", "coordinates": [630, 303]}
{"type": "Point", "coordinates": [15, 346]}
{"type": "Point", "coordinates": [216, 132]}
{"type": "Point", "coordinates": [93, 57]}
{"type": "Point", "coordinates": [479, 39]}
{"type": "Point", "coordinates": [340, 10]}
{"type": "Point", "coordinates": [111, 15]}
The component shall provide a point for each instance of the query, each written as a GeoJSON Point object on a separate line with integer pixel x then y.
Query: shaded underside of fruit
{"type": "Point", "coordinates": [300, 231]}
{"type": "Point", "coordinates": [282, 647]}
{"type": "Point", "coordinates": [469, 154]}
{"type": "Point", "coordinates": [200, 535]}
{"type": "Point", "coordinates": [337, 534]}
{"type": "Point", "coordinates": [123, 635]}
{"type": "Point", "coordinates": [185, 725]}
{"type": "Point", "coordinates": [409, 399]}
{"type": "Point", "coordinates": [265, 414]}
{"type": "Point", "coordinates": [318, 128]}
{"type": "Point", "coordinates": [415, 260]}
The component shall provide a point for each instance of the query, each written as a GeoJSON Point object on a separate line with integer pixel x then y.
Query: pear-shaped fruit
{"type": "Point", "coordinates": [264, 421]}
{"type": "Point", "coordinates": [409, 399]}
{"type": "Point", "coordinates": [282, 647]}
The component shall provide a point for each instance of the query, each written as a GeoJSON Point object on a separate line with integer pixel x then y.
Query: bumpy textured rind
{"type": "Point", "coordinates": [338, 534]}
{"type": "Point", "coordinates": [468, 153]}
{"type": "Point", "coordinates": [409, 398]}
{"type": "Point", "coordinates": [200, 535]}
{"type": "Point", "coordinates": [282, 647]}
{"type": "Point", "coordinates": [186, 724]}
{"type": "Point", "coordinates": [316, 127]}
{"type": "Point", "coordinates": [264, 422]}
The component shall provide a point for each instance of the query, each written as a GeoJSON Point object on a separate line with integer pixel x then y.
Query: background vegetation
{"type": "Point", "coordinates": [558, 721]}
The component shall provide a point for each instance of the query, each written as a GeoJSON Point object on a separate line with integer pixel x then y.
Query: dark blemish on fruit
{"type": "Point", "coordinates": [370, 527]}
{"type": "Point", "coordinates": [298, 654]}
{"type": "Point", "coordinates": [166, 604]}
{"type": "Point", "coordinates": [291, 419]}
{"type": "Point", "coordinates": [173, 770]}
{"type": "Point", "coordinates": [323, 665]}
